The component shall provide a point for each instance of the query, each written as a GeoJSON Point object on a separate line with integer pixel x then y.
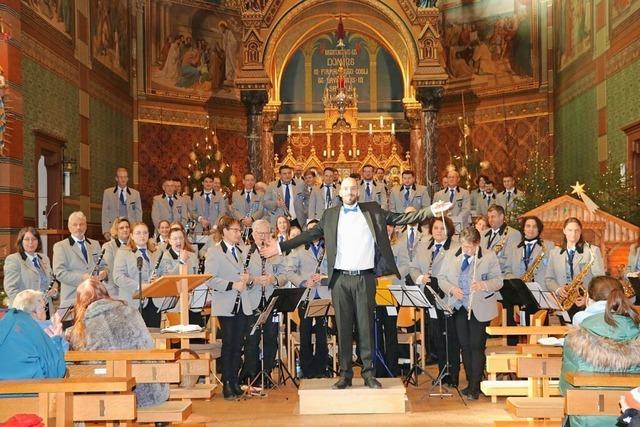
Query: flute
{"type": "Point", "coordinates": [473, 279]}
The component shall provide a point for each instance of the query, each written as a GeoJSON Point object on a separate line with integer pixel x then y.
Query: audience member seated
{"type": "Point", "coordinates": [102, 323]}
{"type": "Point", "coordinates": [33, 303]}
{"type": "Point", "coordinates": [27, 352]}
{"type": "Point", "coordinates": [604, 342]}
{"type": "Point", "coordinates": [597, 294]}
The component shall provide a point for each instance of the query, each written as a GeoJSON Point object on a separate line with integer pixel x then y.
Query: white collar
{"type": "Point", "coordinates": [439, 243]}
{"type": "Point", "coordinates": [83, 240]}
{"type": "Point", "coordinates": [31, 257]}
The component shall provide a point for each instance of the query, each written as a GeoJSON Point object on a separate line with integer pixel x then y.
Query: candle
{"type": "Point", "coordinates": [333, 153]}
{"type": "Point", "coordinates": [358, 152]}
{"type": "Point", "coordinates": [311, 130]}
{"type": "Point", "coordinates": [349, 152]}
{"type": "Point", "coordinates": [324, 153]}
{"type": "Point", "coordinates": [393, 128]}
{"type": "Point", "coordinates": [381, 122]}
{"type": "Point", "coordinates": [288, 130]}
{"type": "Point", "coordinates": [370, 128]}
{"type": "Point", "coordinates": [299, 122]}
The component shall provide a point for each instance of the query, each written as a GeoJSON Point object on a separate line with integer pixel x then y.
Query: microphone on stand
{"type": "Point", "coordinates": [139, 264]}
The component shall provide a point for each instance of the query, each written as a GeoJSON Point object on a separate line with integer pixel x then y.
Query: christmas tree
{"type": "Point", "coordinates": [616, 193]}
{"type": "Point", "coordinates": [205, 159]}
{"type": "Point", "coordinates": [538, 183]}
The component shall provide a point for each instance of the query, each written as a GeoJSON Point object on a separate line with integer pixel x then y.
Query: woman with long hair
{"type": "Point", "coordinates": [120, 232]}
{"type": "Point", "coordinates": [570, 260]}
{"type": "Point", "coordinates": [283, 228]}
{"type": "Point", "coordinates": [29, 268]}
{"type": "Point", "coordinates": [126, 272]}
{"type": "Point", "coordinates": [103, 323]}
{"type": "Point", "coordinates": [607, 341]}
{"type": "Point", "coordinates": [162, 234]}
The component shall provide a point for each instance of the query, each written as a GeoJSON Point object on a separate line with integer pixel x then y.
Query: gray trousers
{"type": "Point", "coordinates": [354, 301]}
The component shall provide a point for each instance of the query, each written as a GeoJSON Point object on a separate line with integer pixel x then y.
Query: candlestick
{"type": "Point", "coordinates": [288, 130]}
{"type": "Point", "coordinates": [311, 130]}
{"type": "Point", "coordinates": [299, 122]}
{"type": "Point", "coordinates": [370, 129]}
{"type": "Point", "coordinates": [393, 128]}
{"type": "Point", "coordinates": [381, 122]}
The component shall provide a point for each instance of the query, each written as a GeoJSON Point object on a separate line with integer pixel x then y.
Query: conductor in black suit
{"type": "Point", "coordinates": [358, 250]}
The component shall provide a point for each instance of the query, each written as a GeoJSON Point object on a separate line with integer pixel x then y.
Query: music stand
{"type": "Point", "coordinates": [288, 300]}
{"type": "Point", "coordinates": [200, 298]}
{"type": "Point", "coordinates": [319, 308]}
{"type": "Point", "coordinates": [411, 296]}
{"type": "Point", "coordinates": [546, 300]}
{"type": "Point", "coordinates": [168, 304]}
{"type": "Point", "coordinates": [447, 309]}
{"type": "Point", "coordinates": [383, 298]}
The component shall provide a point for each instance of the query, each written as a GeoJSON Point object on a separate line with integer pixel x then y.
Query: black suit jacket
{"type": "Point", "coordinates": [377, 219]}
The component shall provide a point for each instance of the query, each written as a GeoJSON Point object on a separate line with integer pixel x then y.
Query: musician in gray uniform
{"type": "Point", "coordinates": [425, 268]}
{"type": "Point", "coordinates": [324, 196]}
{"type": "Point", "coordinates": [76, 258]}
{"type": "Point", "coordinates": [247, 204]}
{"type": "Point", "coordinates": [370, 189]}
{"type": "Point", "coordinates": [500, 236]}
{"type": "Point", "coordinates": [266, 277]}
{"type": "Point", "coordinates": [285, 197]}
{"type": "Point", "coordinates": [532, 250]}
{"type": "Point", "coordinates": [489, 197]}
{"type": "Point", "coordinates": [169, 205]}
{"type": "Point", "coordinates": [460, 212]}
{"type": "Point", "coordinates": [507, 199]}
{"type": "Point", "coordinates": [573, 259]}
{"type": "Point", "coordinates": [29, 268]}
{"type": "Point", "coordinates": [471, 276]}
{"type": "Point", "coordinates": [126, 272]}
{"type": "Point", "coordinates": [232, 301]}
{"type": "Point", "coordinates": [306, 267]}
{"type": "Point", "coordinates": [120, 201]}
{"type": "Point", "coordinates": [120, 232]}
{"type": "Point", "coordinates": [409, 194]}
{"type": "Point", "coordinates": [207, 206]}
{"type": "Point", "coordinates": [478, 193]}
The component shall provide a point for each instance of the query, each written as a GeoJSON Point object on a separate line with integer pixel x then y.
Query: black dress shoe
{"type": "Point", "coordinates": [228, 392]}
{"type": "Point", "coordinates": [473, 396]}
{"type": "Point", "coordinates": [465, 391]}
{"type": "Point", "coordinates": [371, 382]}
{"type": "Point", "coordinates": [236, 389]}
{"type": "Point", "coordinates": [342, 383]}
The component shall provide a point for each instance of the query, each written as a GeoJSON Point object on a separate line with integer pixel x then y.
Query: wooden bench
{"type": "Point", "coordinates": [69, 400]}
{"type": "Point", "coordinates": [146, 366]}
{"type": "Point", "coordinates": [527, 423]}
{"type": "Point", "coordinates": [599, 401]}
{"type": "Point", "coordinates": [532, 332]}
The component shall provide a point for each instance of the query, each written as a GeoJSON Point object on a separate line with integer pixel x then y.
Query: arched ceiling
{"type": "Point", "coordinates": [311, 18]}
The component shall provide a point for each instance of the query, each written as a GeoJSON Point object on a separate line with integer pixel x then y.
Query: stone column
{"type": "Point", "coordinates": [413, 114]}
{"type": "Point", "coordinates": [431, 98]}
{"type": "Point", "coordinates": [254, 101]}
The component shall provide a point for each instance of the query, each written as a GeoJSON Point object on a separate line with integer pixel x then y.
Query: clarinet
{"type": "Point", "coordinates": [263, 271]}
{"type": "Point", "coordinates": [155, 269]}
{"type": "Point", "coordinates": [307, 299]}
{"type": "Point", "coordinates": [245, 267]}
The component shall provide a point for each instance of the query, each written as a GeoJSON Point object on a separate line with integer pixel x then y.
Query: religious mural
{"type": "Point", "coordinates": [489, 44]}
{"type": "Point", "coordinates": [620, 10]}
{"type": "Point", "coordinates": [110, 35]}
{"type": "Point", "coordinates": [575, 30]}
{"type": "Point", "coordinates": [193, 50]}
{"type": "Point", "coordinates": [376, 90]}
{"type": "Point", "coordinates": [57, 13]}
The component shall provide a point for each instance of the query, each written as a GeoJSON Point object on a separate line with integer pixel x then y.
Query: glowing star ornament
{"type": "Point", "coordinates": [578, 190]}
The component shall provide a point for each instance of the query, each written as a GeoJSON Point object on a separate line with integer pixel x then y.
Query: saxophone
{"type": "Point", "coordinates": [629, 292]}
{"type": "Point", "coordinates": [576, 288]}
{"type": "Point", "coordinates": [529, 275]}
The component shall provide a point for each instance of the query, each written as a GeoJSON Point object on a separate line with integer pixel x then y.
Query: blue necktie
{"type": "Point", "coordinates": [570, 254]}
{"type": "Point", "coordinates": [287, 196]}
{"type": "Point", "coordinates": [207, 206]}
{"type": "Point", "coordinates": [143, 251]}
{"type": "Point", "coordinates": [315, 250]}
{"type": "Point", "coordinates": [171, 202]}
{"type": "Point", "coordinates": [122, 197]}
{"type": "Point", "coordinates": [465, 262]}
{"type": "Point", "coordinates": [281, 238]}
{"type": "Point", "coordinates": [368, 192]}
{"type": "Point", "coordinates": [233, 252]}
{"type": "Point", "coordinates": [248, 198]}
{"type": "Point", "coordinates": [436, 251]}
{"type": "Point", "coordinates": [508, 196]}
{"type": "Point", "coordinates": [451, 195]}
{"type": "Point", "coordinates": [328, 197]}
{"type": "Point", "coordinates": [84, 250]}
{"type": "Point", "coordinates": [346, 210]}
{"type": "Point", "coordinates": [406, 195]}
{"type": "Point", "coordinates": [36, 263]}
{"type": "Point", "coordinates": [122, 208]}
{"type": "Point", "coordinates": [412, 238]}
{"type": "Point", "coordinates": [528, 248]}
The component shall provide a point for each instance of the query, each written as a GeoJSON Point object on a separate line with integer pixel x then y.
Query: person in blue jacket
{"type": "Point", "coordinates": [27, 351]}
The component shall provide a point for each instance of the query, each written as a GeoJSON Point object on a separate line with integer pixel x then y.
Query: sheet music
{"type": "Point", "coordinates": [543, 297]}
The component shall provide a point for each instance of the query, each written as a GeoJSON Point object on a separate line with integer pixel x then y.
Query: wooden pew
{"type": "Point", "coordinates": [533, 332]}
{"type": "Point", "coordinates": [63, 401]}
{"type": "Point", "coordinates": [160, 367]}
{"type": "Point", "coordinates": [599, 401]}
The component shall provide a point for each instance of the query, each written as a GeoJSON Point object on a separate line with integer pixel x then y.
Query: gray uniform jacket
{"type": "Point", "coordinates": [508, 205]}
{"type": "Point", "coordinates": [302, 263]}
{"type": "Point", "coordinates": [240, 208]}
{"type": "Point", "coordinates": [218, 206]}
{"type": "Point", "coordinates": [111, 206]}
{"type": "Point", "coordinates": [275, 191]}
{"type": "Point", "coordinates": [515, 265]}
{"type": "Point", "coordinates": [126, 274]}
{"type": "Point", "coordinates": [558, 272]}
{"type": "Point", "coordinates": [460, 212]}
{"type": "Point", "coordinates": [70, 267]}
{"type": "Point", "coordinates": [20, 274]}
{"type": "Point", "coordinates": [110, 249]}
{"type": "Point", "coordinates": [513, 237]}
{"type": "Point", "coordinates": [160, 210]}
{"type": "Point", "coordinates": [418, 198]}
{"type": "Point", "coordinates": [318, 199]}
{"type": "Point", "coordinates": [378, 193]}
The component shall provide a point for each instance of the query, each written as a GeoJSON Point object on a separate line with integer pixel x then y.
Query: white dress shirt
{"type": "Point", "coordinates": [355, 249]}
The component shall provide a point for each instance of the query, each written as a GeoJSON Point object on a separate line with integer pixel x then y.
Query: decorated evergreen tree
{"type": "Point", "coordinates": [205, 159]}
{"type": "Point", "coordinates": [616, 194]}
{"type": "Point", "coordinates": [538, 183]}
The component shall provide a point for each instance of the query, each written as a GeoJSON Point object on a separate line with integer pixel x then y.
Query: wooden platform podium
{"type": "Point", "coordinates": [317, 397]}
{"type": "Point", "coordinates": [176, 286]}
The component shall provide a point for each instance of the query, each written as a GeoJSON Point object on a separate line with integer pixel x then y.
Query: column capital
{"type": "Point", "coordinates": [430, 97]}
{"type": "Point", "coordinates": [254, 100]}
